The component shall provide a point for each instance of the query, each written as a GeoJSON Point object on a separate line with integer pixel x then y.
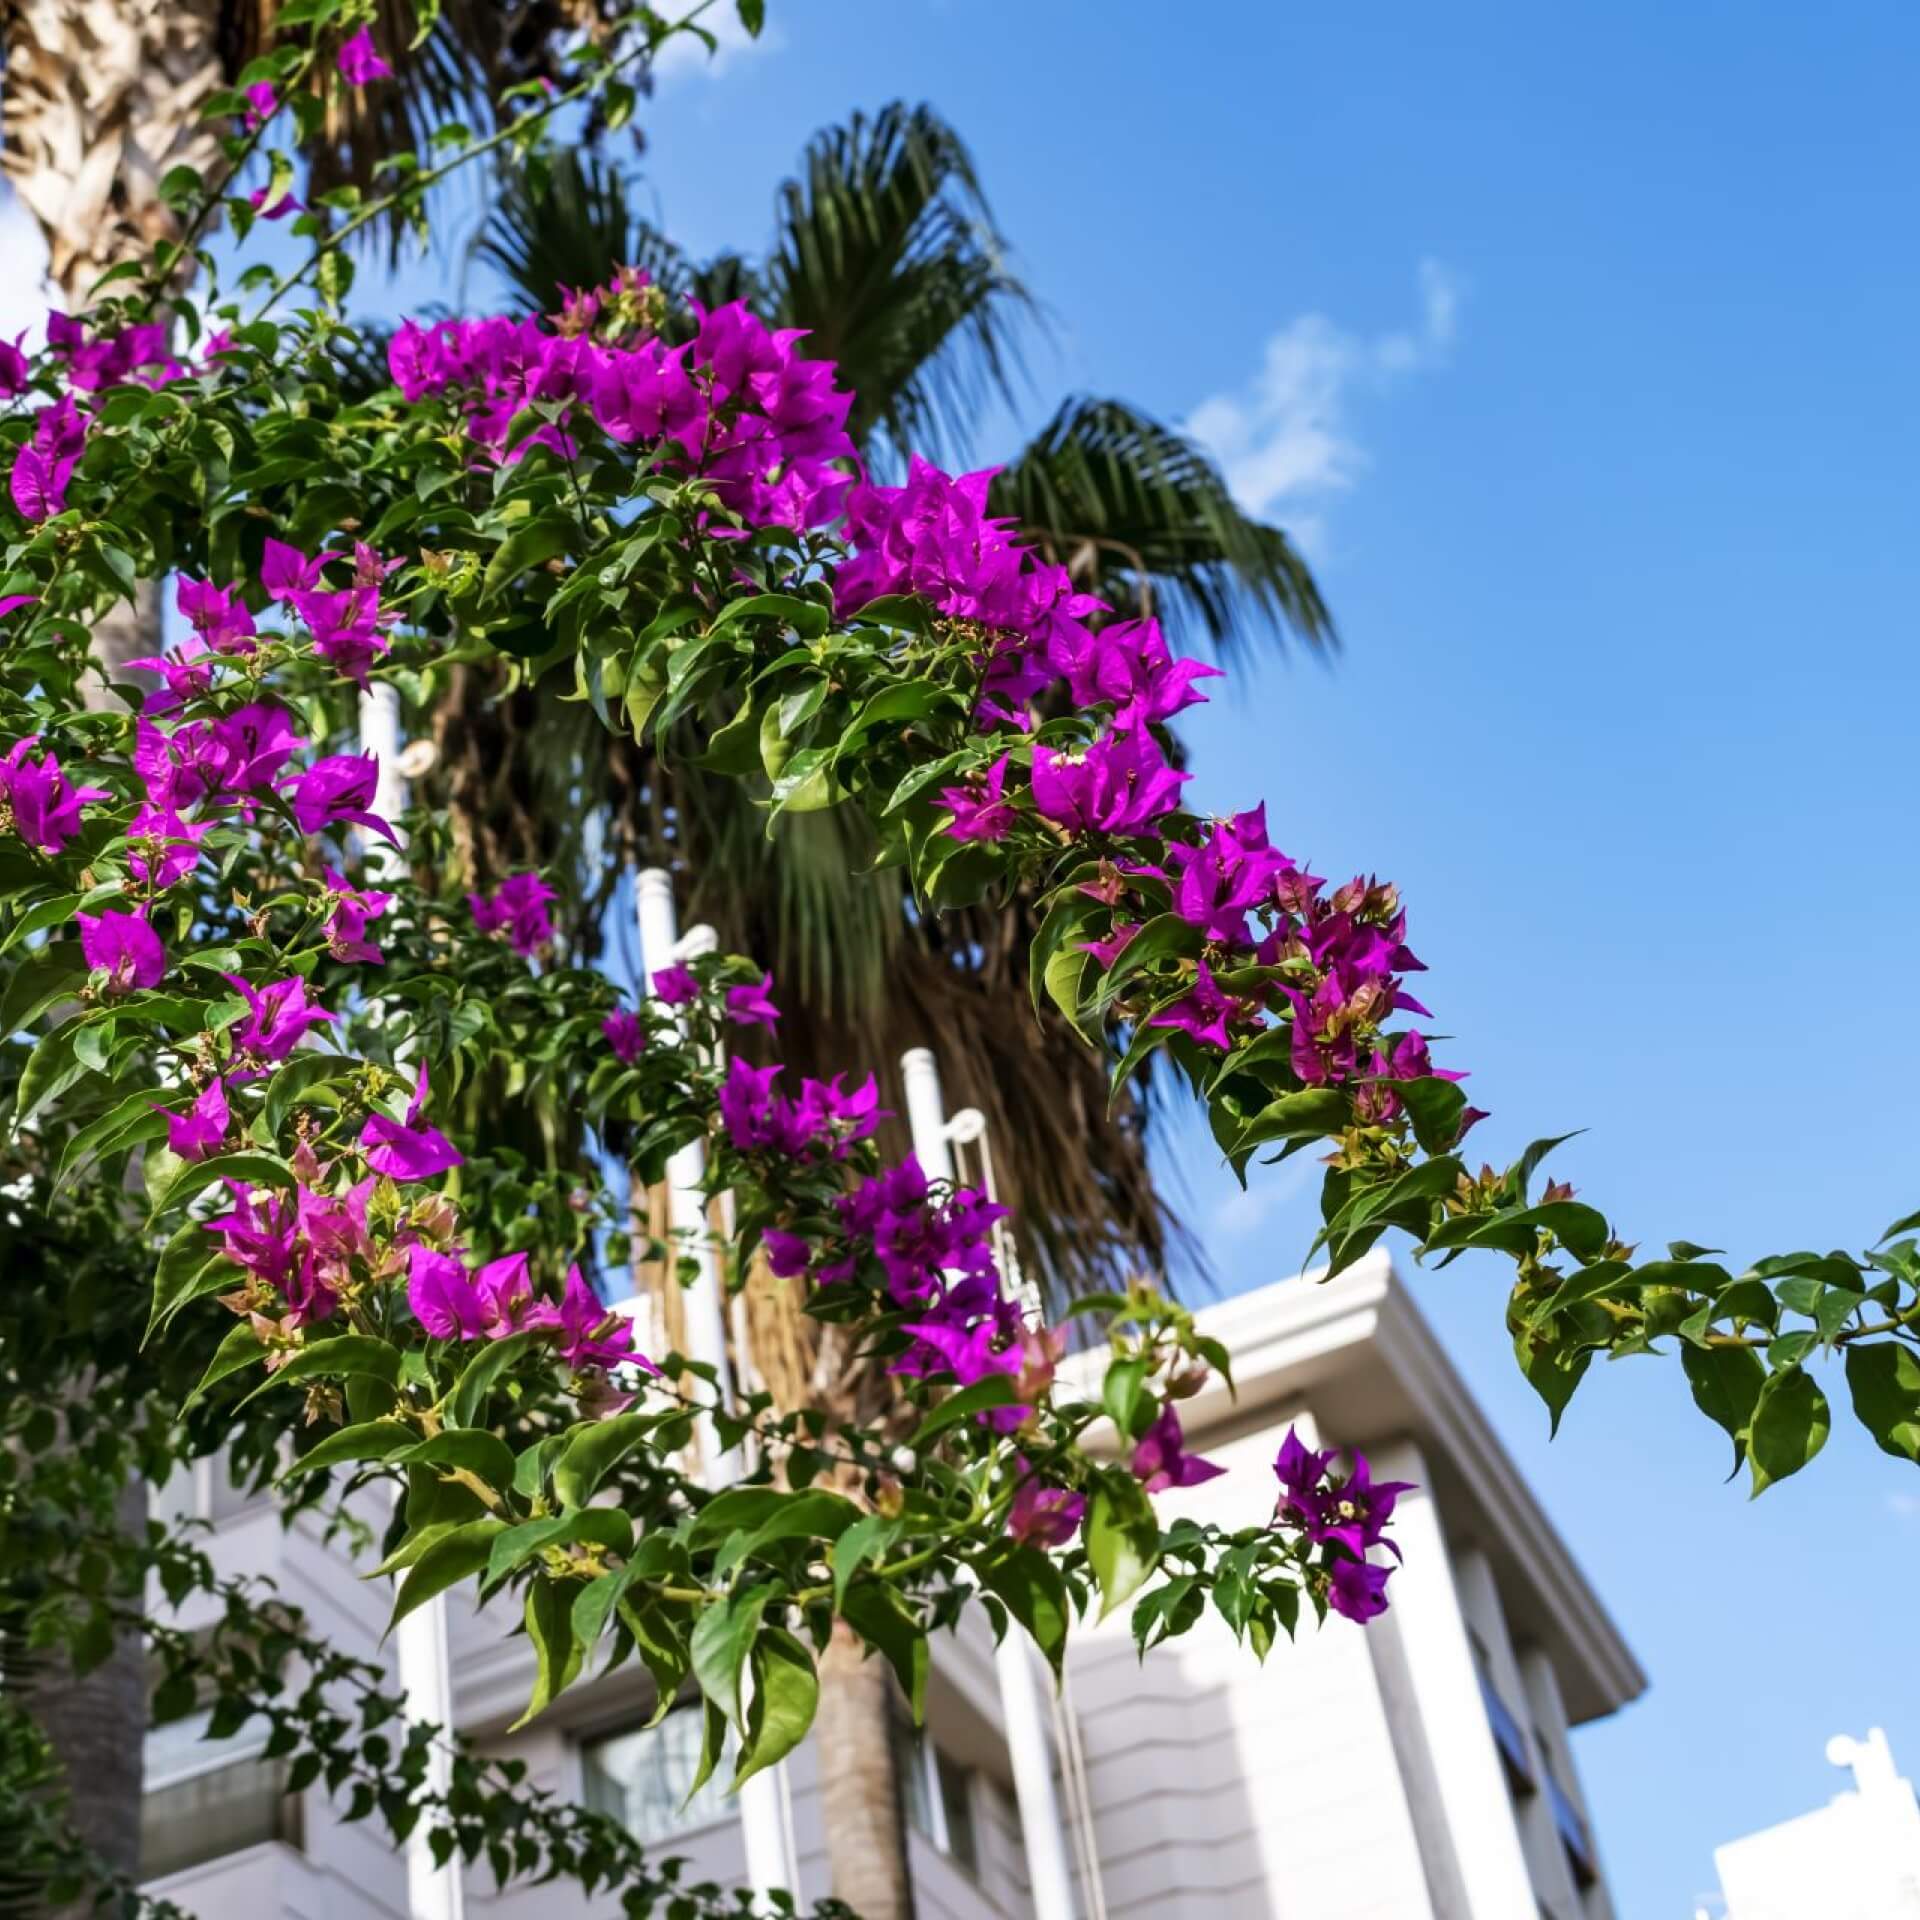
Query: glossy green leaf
{"type": "Point", "coordinates": [721, 1639]}
{"type": "Point", "coordinates": [1122, 1538]}
{"type": "Point", "coordinates": [1790, 1423]}
{"type": "Point", "coordinates": [786, 1691]}
{"type": "Point", "coordinates": [1884, 1380]}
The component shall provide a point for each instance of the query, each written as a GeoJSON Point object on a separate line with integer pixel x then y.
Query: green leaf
{"type": "Point", "coordinates": [557, 1654]}
{"type": "Point", "coordinates": [815, 1514]}
{"type": "Point", "coordinates": [1435, 1107]}
{"type": "Point", "coordinates": [515, 1546]}
{"type": "Point", "coordinates": [996, 1390]}
{"type": "Point", "coordinates": [662, 1647]}
{"type": "Point", "coordinates": [1553, 1367]}
{"type": "Point", "coordinates": [476, 1381]}
{"type": "Point", "coordinates": [869, 1538]}
{"type": "Point", "coordinates": [785, 1692]}
{"type": "Point", "coordinates": [1726, 1383]}
{"type": "Point", "coordinates": [240, 1349]}
{"type": "Point", "coordinates": [371, 1440]}
{"type": "Point", "coordinates": [345, 1354]}
{"type": "Point", "coordinates": [528, 545]}
{"type": "Point", "coordinates": [1884, 1380]}
{"type": "Point", "coordinates": [721, 1638]}
{"type": "Point", "coordinates": [131, 1121]}
{"type": "Point", "coordinates": [713, 1743]}
{"type": "Point", "coordinates": [297, 1083]}
{"type": "Point", "coordinates": [593, 1452]}
{"type": "Point", "coordinates": [1165, 937]}
{"type": "Point", "coordinates": [739, 1509]}
{"type": "Point", "coordinates": [1120, 1395]}
{"type": "Point", "coordinates": [258, 1169]}
{"type": "Point", "coordinates": [49, 913]}
{"type": "Point", "coordinates": [1029, 1585]}
{"type": "Point", "coordinates": [882, 1617]}
{"type": "Point", "coordinates": [1790, 1425]}
{"type": "Point", "coordinates": [456, 1555]}
{"type": "Point", "coordinates": [1312, 1114]}
{"type": "Point", "coordinates": [191, 1266]}
{"type": "Point", "coordinates": [469, 1450]}
{"type": "Point", "coordinates": [1123, 1538]}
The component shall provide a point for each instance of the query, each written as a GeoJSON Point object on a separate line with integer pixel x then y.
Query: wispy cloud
{"type": "Point", "coordinates": [686, 53]}
{"type": "Point", "coordinates": [1904, 1506]}
{"type": "Point", "coordinates": [1286, 439]}
{"type": "Point", "coordinates": [1250, 1209]}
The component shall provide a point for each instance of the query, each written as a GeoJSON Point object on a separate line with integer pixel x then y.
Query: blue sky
{"type": "Point", "coordinates": [1578, 344]}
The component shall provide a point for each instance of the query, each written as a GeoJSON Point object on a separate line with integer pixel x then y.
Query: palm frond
{"type": "Point", "coordinates": [1139, 515]}
{"type": "Point", "coordinates": [568, 226]}
{"type": "Point", "coordinates": [886, 251]}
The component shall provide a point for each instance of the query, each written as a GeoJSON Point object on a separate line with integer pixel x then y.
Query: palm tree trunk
{"type": "Point", "coordinates": [860, 1801]}
{"type": "Point", "coordinates": [103, 98]}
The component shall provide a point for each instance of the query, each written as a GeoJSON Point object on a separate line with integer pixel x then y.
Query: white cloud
{"type": "Point", "coordinates": [686, 53]}
{"type": "Point", "coordinates": [1249, 1209]}
{"type": "Point", "coordinates": [1904, 1506]}
{"type": "Point", "coordinates": [24, 294]}
{"type": "Point", "coordinates": [1285, 438]}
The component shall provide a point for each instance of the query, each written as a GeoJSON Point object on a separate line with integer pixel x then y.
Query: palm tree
{"type": "Point", "coordinates": [885, 249]}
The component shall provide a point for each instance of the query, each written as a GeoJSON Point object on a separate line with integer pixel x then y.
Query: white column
{"type": "Point", "coordinates": [434, 1891]}
{"type": "Point", "coordinates": [771, 1863]}
{"type": "Point", "coordinates": [380, 736]}
{"type": "Point", "coordinates": [1445, 1683]}
{"type": "Point", "coordinates": [1029, 1744]}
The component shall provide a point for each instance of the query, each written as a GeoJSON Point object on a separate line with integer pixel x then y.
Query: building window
{"type": "Point", "coordinates": [1507, 1736]}
{"type": "Point", "coordinates": [205, 1798]}
{"type": "Point", "coordinates": [1573, 1833]}
{"type": "Point", "coordinates": [939, 1796]}
{"type": "Point", "coordinates": [640, 1778]}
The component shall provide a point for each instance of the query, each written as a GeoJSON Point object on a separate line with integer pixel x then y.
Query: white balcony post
{"type": "Point", "coordinates": [434, 1891]}
{"type": "Point", "coordinates": [1029, 1744]}
{"type": "Point", "coordinates": [380, 736]}
{"type": "Point", "coordinates": [1444, 1678]}
{"type": "Point", "coordinates": [771, 1863]}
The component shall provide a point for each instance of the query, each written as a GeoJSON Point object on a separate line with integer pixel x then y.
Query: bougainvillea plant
{"type": "Point", "coordinates": [238, 987]}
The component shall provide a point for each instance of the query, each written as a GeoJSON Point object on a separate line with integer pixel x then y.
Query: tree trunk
{"type": "Point", "coordinates": [97, 1726]}
{"type": "Point", "coordinates": [103, 98]}
{"type": "Point", "coordinates": [860, 1800]}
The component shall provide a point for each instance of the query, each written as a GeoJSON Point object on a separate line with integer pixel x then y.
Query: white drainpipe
{"type": "Point", "coordinates": [434, 1891]}
{"type": "Point", "coordinates": [1022, 1705]}
{"type": "Point", "coordinates": [771, 1862]}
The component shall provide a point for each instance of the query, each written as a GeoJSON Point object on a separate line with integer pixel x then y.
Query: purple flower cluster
{"type": "Point", "coordinates": [37, 800]}
{"type": "Point", "coordinates": [737, 405]}
{"type": "Point", "coordinates": [452, 1303]}
{"type": "Point", "coordinates": [1348, 1517]}
{"type": "Point", "coordinates": [1161, 1460]}
{"type": "Point", "coordinates": [43, 467]}
{"type": "Point", "coordinates": [822, 1123]}
{"type": "Point", "coordinates": [305, 1245]}
{"type": "Point", "coordinates": [517, 907]}
{"type": "Point", "coordinates": [138, 354]}
{"type": "Point", "coordinates": [408, 1149]}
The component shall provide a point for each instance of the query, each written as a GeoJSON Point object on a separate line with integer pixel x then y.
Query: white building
{"type": "Point", "coordinates": [1418, 1769]}
{"type": "Point", "coordinates": [1856, 1858]}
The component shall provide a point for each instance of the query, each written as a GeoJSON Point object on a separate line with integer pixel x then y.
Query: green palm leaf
{"type": "Point", "coordinates": [1139, 515]}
